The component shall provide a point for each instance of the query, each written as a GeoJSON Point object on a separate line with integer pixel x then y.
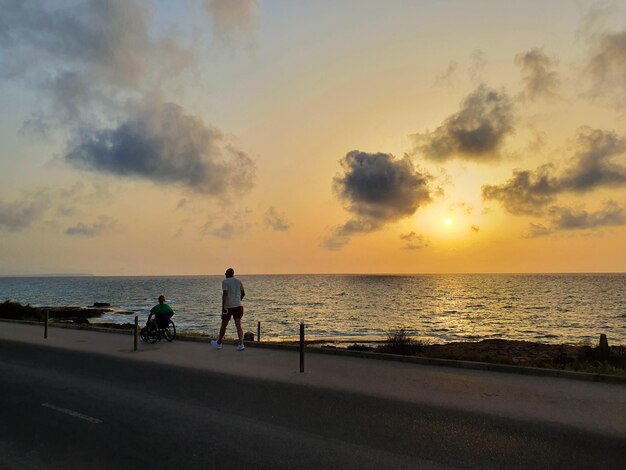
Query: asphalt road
{"type": "Point", "coordinates": [64, 409]}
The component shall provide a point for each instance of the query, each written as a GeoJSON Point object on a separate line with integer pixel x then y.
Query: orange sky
{"type": "Point", "coordinates": [276, 137]}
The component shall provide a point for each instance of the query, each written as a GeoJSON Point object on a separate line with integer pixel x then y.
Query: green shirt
{"type": "Point", "coordinates": [162, 309]}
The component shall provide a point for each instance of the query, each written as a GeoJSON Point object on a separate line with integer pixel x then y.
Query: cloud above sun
{"type": "Point", "coordinates": [478, 133]}
{"type": "Point", "coordinates": [376, 188]}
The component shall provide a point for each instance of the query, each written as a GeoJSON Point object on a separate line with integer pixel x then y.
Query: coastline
{"type": "Point", "coordinates": [601, 359]}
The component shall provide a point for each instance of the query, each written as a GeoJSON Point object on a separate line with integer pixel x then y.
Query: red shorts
{"type": "Point", "coordinates": [235, 312]}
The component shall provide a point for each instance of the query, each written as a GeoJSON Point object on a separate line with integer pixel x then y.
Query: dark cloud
{"type": "Point", "coordinates": [593, 164]}
{"type": "Point", "coordinates": [101, 226]}
{"type": "Point", "coordinates": [566, 218]}
{"type": "Point", "coordinates": [377, 186]}
{"type": "Point", "coordinates": [474, 133]}
{"type": "Point", "coordinates": [275, 220]}
{"type": "Point", "coordinates": [540, 81]}
{"type": "Point", "coordinates": [413, 241]}
{"type": "Point", "coordinates": [377, 189]}
{"type": "Point", "coordinates": [102, 61]}
{"type": "Point", "coordinates": [163, 144]}
{"type": "Point", "coordinates": [527, 192]}
{"type": "Point", "coordinates": [475, 228]}
{"type": "Point", "coordinates": [598, 162]}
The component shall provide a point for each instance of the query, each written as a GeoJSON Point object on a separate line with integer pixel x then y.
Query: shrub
{"type": "Point", "coordinates": [16, 311]}
{"type": "Point", "coordinates": [399, 342]}
{"type": "Point", "coordinates": [359, 347]}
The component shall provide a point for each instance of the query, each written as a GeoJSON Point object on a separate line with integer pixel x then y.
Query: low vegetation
{"type": "Point", "coordinates": [580, 358]}
{"type": "Point", "coordinates": [16, 311]}
{"type": "Point", "coordinates": [399, 342]}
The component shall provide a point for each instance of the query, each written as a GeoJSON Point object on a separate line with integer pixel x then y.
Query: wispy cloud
{"type": "Point", "coordinates": [592, 166]}
{"type": "Point", "coordinates": [413, 241]}
{"type": "Point", "coordinates": [233, 19]}
{"type": "Point", "coordinates": [606, 64]}
{"type": "Point", "coordinates": [94, 229]}
{"type": "Point", "coordinates": [540, 80]}
{"type": "Point", "coordinates": [275, 220]}
{"type": "Point", "coordinates": [21, 214]}
{"type": "Point", "coordinates": [376, 188]}
{"type": "Point", "coordinates": [567, 218]}
{"type": "Point", "coordinates": [447, 78]}
{"type": "Point", "coordinates": [88, 53]}
{"type": "Point", "coordinates": [462, 207]}
{"type": "Point", "coordinates": [478, 62]}
{"type": "Point", "coordinates": [32, 206]}
{"type": "Point", "coordinates": [475, 133]}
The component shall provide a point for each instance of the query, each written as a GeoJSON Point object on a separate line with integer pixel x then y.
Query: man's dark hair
{"type": "Point", "coordinates": [230, 272]}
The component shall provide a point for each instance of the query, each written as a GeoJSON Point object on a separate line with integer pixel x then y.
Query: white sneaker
{"type": "Point", "coordinates": [215, 344]}
{"type": "Point", "coordinates": [241, 347]}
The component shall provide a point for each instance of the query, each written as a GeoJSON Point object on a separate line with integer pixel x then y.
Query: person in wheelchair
{"type": "Point", "coordinates": [162, 313]}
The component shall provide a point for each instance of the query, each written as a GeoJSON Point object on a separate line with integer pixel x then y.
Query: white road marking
{"type": "Point", "coordinates": [76, 414]}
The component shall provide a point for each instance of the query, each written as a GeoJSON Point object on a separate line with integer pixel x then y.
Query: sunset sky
{"type": "Point", "coordinates": [146, 137]}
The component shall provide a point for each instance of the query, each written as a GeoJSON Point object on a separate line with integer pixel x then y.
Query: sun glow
{"type": "Point", "coordinates": [447, 222]}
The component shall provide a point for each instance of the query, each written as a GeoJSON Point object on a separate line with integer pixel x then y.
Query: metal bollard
{"type": "Point", "coordinates": [45, 328]}
{"type": "Point", "coordinates": [258, 332]}
{"type": "Point", "coordinates": [136, 329]}
{"type": "Point", "coordinates": [301, 347]}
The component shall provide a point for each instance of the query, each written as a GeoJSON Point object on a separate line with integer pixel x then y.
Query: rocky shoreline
{"type": "Point", "coordinates": [527, 353]}
{"type": "Point", "coordinates": [603, 358]}
{"type": "Point", "coordinates": [79, 315]}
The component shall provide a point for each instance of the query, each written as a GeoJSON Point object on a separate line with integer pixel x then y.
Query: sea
{"type": "Point", "coordinates": [433, 308]}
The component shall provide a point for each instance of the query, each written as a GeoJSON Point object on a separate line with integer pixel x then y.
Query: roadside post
{"type": "Point", "coordinates": [302, 347]}
{"type": "Point", "coordinates": [45, 328]}
{"type": "Point", "coordinates": [258, 332]}
{"type": "Point", "coordinates": [136, 328]}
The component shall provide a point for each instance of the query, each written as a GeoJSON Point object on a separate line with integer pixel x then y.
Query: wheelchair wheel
{"type": "Point", "coordinates": [170, 331]}
{"type": "Point", "coordinates": [144, 334]}
{"type": "Point", "coordinates": [152, 332]}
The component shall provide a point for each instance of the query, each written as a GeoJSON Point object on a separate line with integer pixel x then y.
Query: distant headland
{"type": "Point", "coordinates": [50, 275]}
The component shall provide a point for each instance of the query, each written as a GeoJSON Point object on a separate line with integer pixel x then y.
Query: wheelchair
{"type": "Point", "coordinates": [152, 332]}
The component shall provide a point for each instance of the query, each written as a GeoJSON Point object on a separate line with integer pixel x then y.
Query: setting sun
{"type": "Point", "coordinates": [447, 222]}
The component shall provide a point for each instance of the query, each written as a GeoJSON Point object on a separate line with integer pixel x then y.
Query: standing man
{"type": "Point", "coordinates": [232, 295]}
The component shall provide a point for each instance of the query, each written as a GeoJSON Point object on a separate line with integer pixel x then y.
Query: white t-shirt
{"type": "Point", "coordinates": [234, 287]}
